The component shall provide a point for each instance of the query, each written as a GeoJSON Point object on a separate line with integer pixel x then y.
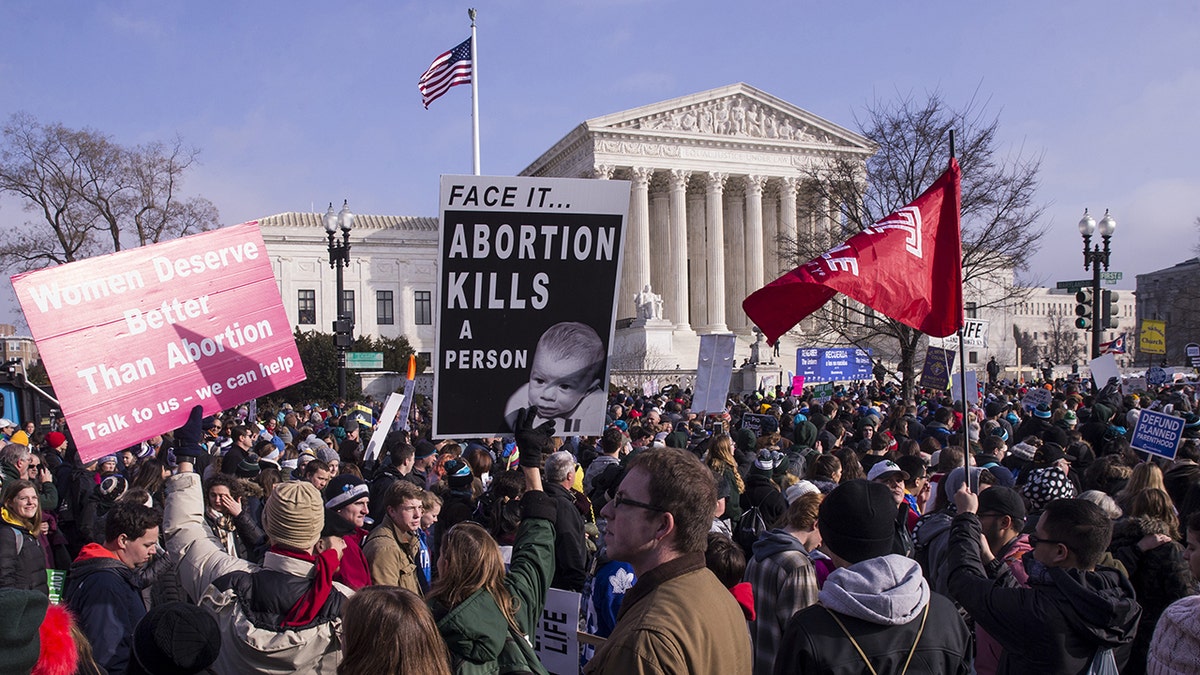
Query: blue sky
{"type": "Point", "coordinates": [295, 104]}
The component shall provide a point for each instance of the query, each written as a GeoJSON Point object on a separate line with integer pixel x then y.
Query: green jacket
{"type": "Point", "coordinates": [47, 493]}
{"type": "Point", "coordinates": [476, 631]}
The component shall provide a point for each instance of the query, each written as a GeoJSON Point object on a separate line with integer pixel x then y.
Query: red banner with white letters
{"type": "Point", "coordinates": [133, 340]}
{"type": "Point", "coordinates": [907, 266]}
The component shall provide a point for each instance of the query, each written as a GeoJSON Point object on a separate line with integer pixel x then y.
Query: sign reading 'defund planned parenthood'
{"type": "Point", "coordinates": [839, 364]}
{"type": "Point", "coordinates": [133, 340]}
{"type": "Point", "coordinates": [1157, 433]}
{"type": "Point", "coordinates": [526, 302]}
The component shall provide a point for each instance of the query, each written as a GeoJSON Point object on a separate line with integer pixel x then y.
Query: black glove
{"type": "Point", "coordinates": [187, 437]}
{"type": "Point", "coordinates": [533, 442]}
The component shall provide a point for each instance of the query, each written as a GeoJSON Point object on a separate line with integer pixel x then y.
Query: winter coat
{"type": "Point", "coordinates": [1160, 576]}
{"type": "Point", "coordinates": [247, 598]}
{"type": "Point", "coordinates": [101, 595]}
{"type": "Point", "coordinates": [762, 492]}
{"type": "Point", "coordinates": [677, 618]}
{"type": "Point", "coordinates": [784, 582]}
{"type": "Point", "coordinates": [354, 571]}
{"type": "Point", "coordinates": [476, 631]}
{"type": "Point", "coordinates": [570, 549]}
{"type": "Point", "coordinates": [931, 543]}
{"type": "Point", "coordinates": [882, 602]}
{"type": "Point", "coordinates": [394, 556]}
{"type": "Point", "coordinates": [22, 559]}
{"type": "Point", "coordinates": [1058, 623]}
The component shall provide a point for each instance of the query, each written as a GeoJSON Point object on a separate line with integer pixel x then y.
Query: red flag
{"type": "Point", "coordinates": [907, 266]}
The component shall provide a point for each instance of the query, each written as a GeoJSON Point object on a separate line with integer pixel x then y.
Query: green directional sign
{"type": "Point", "coordinates": [1110, 278]}
{"type": "Point", "coordinates": [364, 360]}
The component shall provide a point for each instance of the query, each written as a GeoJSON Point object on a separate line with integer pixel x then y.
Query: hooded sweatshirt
{"type": "Point", "coordinates": [1058, 623]}
{"type": "Point", "coordinates": [784, 582]}
{"type": "Point", "coordinates": [886, 606]}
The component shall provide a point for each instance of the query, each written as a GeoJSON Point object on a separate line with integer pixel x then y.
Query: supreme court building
{"type": "Point", "coordinates": [719, 178]}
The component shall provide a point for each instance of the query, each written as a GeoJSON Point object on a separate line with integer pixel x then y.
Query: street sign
{"type": "Point", "coordinates": [1110, 278]}
{"type": "Point", "coordinates": [1073, 285]}
{"type": "Point", "coordinates": [1193, 353]}
{"type": "Point", "coordinates": [364, 360]}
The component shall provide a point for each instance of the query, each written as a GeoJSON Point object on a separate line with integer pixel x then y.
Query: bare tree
{"type": "Point", "coordinates": [92, 195]}
{"type": "Point", "coordinates": [1030, 350]}
{"type": "Point", "coordinates": [1062, 340]}
{"type": "Point", "coordinates": [1000, 229]}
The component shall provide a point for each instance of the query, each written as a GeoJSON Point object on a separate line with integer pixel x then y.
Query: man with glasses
{"type": "Point", "coordinates": [677, 617]}
{"type": "Point", "coordinates": [887, 473]}
{"type": "Point", "coordinates": [1072, 610]}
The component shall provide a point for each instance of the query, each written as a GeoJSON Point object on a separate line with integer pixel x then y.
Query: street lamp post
{"type": "Point", "coordinates": [1093, 257]}
{"type": "Point", "coordinates": [339, 258]}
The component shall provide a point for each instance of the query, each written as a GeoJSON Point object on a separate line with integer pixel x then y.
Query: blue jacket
{"type": "Point", "coordinates": [100, 592]}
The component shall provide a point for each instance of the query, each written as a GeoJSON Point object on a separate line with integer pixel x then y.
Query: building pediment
{"type": "Point", "coordinates": [736, 128]}
{"type": "Point", "coordinates": [737, 111]}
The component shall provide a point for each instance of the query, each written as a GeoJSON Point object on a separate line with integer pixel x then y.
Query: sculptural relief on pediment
{"type": "Point", "coordinates": [738, 116]}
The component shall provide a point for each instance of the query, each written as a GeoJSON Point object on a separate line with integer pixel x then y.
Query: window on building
{"type": "Point", "coordinates": [384, 308]}
{"type": "Point", "coordinates": [972, 357]}
{"type": "Point", "coordinates": [972, 310]}
{"type": "Point", "coordinates": [424, 360]}
{"type": "Point", "coordinates": [423, 308]}
{"type": "Point", "coordinates": [348, 304]}
{"type": "Point", "coordinates": [306, 306]}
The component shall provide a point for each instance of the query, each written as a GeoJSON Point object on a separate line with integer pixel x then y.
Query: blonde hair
{"type": "Point", "coordinates": [470, 561]}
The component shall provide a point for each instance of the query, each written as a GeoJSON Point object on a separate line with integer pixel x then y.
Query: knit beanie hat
{"type": "Point", "coordinates": [248, 467]}
{"type": "Point", "coordinates": [424, 448]}
{"type": "Point", "coordinates": [458, 473]}
{"type": "Point", "coordinates": [294, 515]}
{"type": "Point", "coordinates": [55, 440]}
{"type": "Point", "coordinates": [112, 487]}
{"type": "Point", "coordinates": [105, 459]}
{"type": "Point", "coordinates": [344, 489]}
{"type": "Point", "coordinates": [21, 615]}
{"type": "Point", "coordinates": [324, 452]}
{"type": "Point", "coordinates": [1042, 411]}
{"type": "Point", "coordinates": [176, 638]}
{"type": "Point", "coordinates": [1048, 454]}
{"type": "Point", "coordinates": [766, 461]}
{"type": "Point", "coordinates": [857, 520]}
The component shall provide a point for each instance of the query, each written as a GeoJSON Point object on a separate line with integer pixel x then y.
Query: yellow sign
{"type": "Point", "coordinates": [1153, 339]}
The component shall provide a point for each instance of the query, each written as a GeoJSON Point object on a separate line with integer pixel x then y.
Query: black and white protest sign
{"type": "Point", "coordinates": [526, 301]}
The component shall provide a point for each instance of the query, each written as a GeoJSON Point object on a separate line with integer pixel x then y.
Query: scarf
{"type": "Point", "coordinates": [305, 610]}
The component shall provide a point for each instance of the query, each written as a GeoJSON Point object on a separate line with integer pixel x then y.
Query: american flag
{"type": "Point", "coordinates": [447, 70]}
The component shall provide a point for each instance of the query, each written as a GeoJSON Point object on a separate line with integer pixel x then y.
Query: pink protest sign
{"type": "Point", "coordinates": [797, 385]}
{"type": "Point", "coordinates": [133, 340]}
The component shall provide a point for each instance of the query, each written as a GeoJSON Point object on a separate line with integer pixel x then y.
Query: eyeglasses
{"type": "Point", "coordinates": [622, 500]}
{"type": "Point", "coordinates": [1034, 540]}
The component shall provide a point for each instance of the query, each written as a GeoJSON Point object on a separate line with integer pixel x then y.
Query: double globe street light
{"type": "Point", "coordinates": [339, 258]}
{"type": "Point", "coordinates": [1099, 305]}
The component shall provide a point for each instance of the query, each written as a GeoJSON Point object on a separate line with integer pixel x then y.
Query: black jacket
{"type": "Point", "coordinates": [762, 492]}
{"type": "Point", "coordinates": [1058, 623]}
{"type": "Point", "coordinates": [24, 568]}
{"type": "Point", "coordinates": [570, 550]}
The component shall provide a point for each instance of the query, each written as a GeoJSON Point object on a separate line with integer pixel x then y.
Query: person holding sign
{"type": "Point", "coordinates": [485, 615]}
{"type": "Point", "coordinates": [565, 379]}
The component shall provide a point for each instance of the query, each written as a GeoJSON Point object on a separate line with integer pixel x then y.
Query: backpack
{"type": "Point", "coordinates": [749, 528]}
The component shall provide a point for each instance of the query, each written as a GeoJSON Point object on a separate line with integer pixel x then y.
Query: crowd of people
{"type": "Point", "coordinates": [856, 532]}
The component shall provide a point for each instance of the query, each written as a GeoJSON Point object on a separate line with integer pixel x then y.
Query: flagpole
{"type": "Point", "coordinates": [962, 368]}
{"type": "Point", "coordinates": [474, 91]}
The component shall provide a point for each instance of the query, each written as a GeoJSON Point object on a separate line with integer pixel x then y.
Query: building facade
{"type": "Point", "coordinates": [1171, 295]}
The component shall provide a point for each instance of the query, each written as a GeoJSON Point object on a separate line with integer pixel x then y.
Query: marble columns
{"type": "Point", "coordinates": [675, 296]}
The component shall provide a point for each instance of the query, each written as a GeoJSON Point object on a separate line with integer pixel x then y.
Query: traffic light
{"type": "Point", "coordinates": [1108, 309]}
{"type": "Point", "coordinates": [343, 333]}
{"type": "Point", "coordinates": [1083, 310]}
